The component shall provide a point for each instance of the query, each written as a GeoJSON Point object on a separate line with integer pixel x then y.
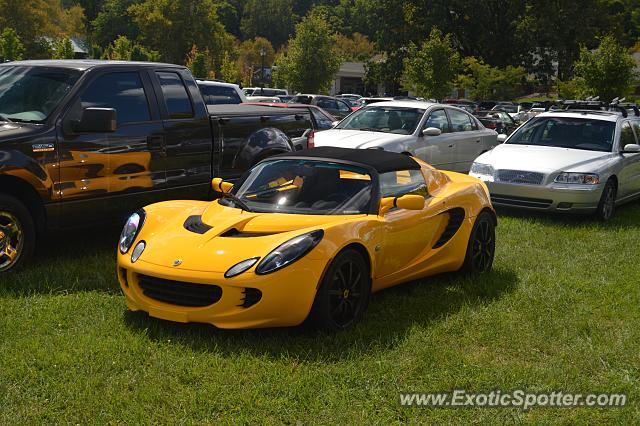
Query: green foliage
{"type": "Point", "coordinates": [271, 19]}
{"type": "Point", "coordinates": [123, 49]}
{"type": "Point", "coordinates": [198, 62]}
{"type": "Point", "coordinates": [312, 58]}
{"type": "Point", "coordinates": [114, 20]}
{"type": "Point", "coordinates": [430, 69]}
{"type": "Point", "coordinates": [487, 82]}
{"type": "Point", "coordinates": [250, 58]}
{"type": "Point", "coordinates": [576, 88]}
{"type": "Point", "coordinates": [62, 49]}
{"type": "Point", "coordinates": [355, 48]}
{"type": "Point", "coordinates": [11, 48]}
{"type": "Point", "coordinates": [607, 72]}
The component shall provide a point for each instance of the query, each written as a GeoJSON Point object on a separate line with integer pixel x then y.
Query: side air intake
{"type": "Point", "coordinates": [456, 216]}
{"type": "Point", "coordinates": [195, 224]}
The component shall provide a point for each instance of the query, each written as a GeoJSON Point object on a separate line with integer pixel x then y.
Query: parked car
{"type": "Point", "coordinates": [306, 235]}
{"type": "Point", "coordinates": [263, 99]}
{"type": "Point", "coordinates": [576, 161]}
{"type": "Point", "coordinates": [373, 100]}
{"type": "Point", "coordinates": [516, 112]}
{"type": "Point", "coordinates": [216, 92]}
{"type": "Point", "coordinates": [264, 91]}
{"type": "Point", "coordinates": [322, 119]}
{"type": "Point", "coordinates": [336, 107]}
{"type": "Point", "coordinates": [442, 135]}
{"type": "Point", "coordinates": [86, 142]}
{"type": "Point", "coordinates": [486, 105]}
{"type": "Point", "coordinates": [285, 98]}
{"type": "Point", "coordinates": [497, 120]}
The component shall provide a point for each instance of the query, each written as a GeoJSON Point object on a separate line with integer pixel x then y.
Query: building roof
{"type": "Point", "coordinates": [381, 161]}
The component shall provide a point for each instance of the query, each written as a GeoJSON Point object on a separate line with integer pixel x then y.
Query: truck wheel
{"type": "Point", "coordinates": [17, 234]}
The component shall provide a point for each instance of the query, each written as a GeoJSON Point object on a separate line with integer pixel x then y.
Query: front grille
{"type": "Point", "coordinates": [519, 176]}
{"type": "Point", "coordinates": [179, 293]}
{"type": "Point", "coordinates": [508, 200]}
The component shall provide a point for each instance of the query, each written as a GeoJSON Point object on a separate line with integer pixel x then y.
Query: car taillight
{"type": "Point", "coordinates": [491, 125]}
{"type": "Point", "coordinates": [311, 140]}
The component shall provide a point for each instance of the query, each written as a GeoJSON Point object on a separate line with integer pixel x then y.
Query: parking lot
{"type": "Point", "coordinates": [559, 312]}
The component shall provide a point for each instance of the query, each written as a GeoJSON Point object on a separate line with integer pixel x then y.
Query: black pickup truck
{"type": "Point", "coordinates": [87, 142]}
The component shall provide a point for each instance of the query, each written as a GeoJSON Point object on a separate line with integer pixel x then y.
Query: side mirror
{"type": "Point", "coordinates": [407, 202]}
{"type": "Point", "coordinates": [502, 137]}
{"type": "Point", "coordinates": [630, 148]}
{"type": "Point", "coordinates": [219, 185]}
{"type": "Point", "coordinates": [431, 131]}
{"type": "Point", "coordinates": [97, 120]}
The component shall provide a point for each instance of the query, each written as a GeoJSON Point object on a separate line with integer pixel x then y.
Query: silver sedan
{"type": "Point", "coordinates": [569, 161]}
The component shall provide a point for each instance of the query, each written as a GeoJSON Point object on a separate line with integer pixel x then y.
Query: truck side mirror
{"type": "Point", "coordinates": [219, 185]}
{"type": "Point", "coordinates": [630, 148]}
{"type": "Point", "coordinates": [97, 120]}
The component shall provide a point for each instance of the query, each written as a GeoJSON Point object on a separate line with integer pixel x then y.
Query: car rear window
{"type": "Point", "coordinates": [219, 95]}
{"type": "Point", "coordinates": [175, 95]}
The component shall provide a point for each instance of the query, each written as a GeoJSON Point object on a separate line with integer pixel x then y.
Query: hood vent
{"type": "Point", "coordinates": [456, 216]}
{"type": "Point", "coordinates": [195, 224]}
{"type": "Point", "coordinates": [234, 233]}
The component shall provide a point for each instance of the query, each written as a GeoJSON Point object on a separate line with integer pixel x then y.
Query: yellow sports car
{"type": "Point", "coordinates": [302, 236]}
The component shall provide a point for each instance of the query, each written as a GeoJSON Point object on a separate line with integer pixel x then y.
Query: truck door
{"type": "Point", "coordinates": [104, 176]}
{"type": "Point", "coordinates": [187, 133]}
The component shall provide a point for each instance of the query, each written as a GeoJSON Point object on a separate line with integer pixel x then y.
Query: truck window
{"type": "Point", "coordinates": [175, 95]}
{"type": "Point", "coordinates": [216, 95]}
{"type": "Point", "coordinates": [120, 90]}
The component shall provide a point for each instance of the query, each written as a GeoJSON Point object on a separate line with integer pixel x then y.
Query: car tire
{"type": "Point", "coordinates": [607, 204]}
{"type": "Point", "coordinates": [17, 234]}
{"type": "Point", "coordinates": [343, 295]}
{"type": "Point", "coordinates": [481, 247]}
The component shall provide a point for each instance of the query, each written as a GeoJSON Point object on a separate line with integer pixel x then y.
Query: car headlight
{"type": "Point", "coordinates": [481, 169]}
{"type": "Point", "coordinates": [131, 230]}
{"type": "Point", "coordinates": [288, 252]}
{"type": "Point", "coordinates": [240, 267]}
{"type": "Point", "coordinates": [579, 178]}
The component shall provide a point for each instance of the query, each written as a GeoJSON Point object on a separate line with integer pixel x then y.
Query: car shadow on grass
{"type": "Point", "coordinates": [391, 316]}
{"type": "Point", "coordinates": [82, 260]}
{"type": "Point", "coordinates": [625, 216]}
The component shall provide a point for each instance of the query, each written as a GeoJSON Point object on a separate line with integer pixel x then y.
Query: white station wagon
{"type": "Point", "coordinates": [442, 135]}
{"type": "Point", "coordinates": [577, 161]}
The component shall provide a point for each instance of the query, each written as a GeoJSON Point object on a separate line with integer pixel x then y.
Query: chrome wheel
{"type": "Point", "coordinates": [347, 293]}
{"type": "Point", "coordinates": [11, 240]}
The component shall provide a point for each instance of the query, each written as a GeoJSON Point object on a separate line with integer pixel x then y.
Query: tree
{"type": "Point", "coordinates": [431, 68]}
{"type": "Point", "coordinates": [113, 20]}
{"type": "Point", "coordinates": [355, 48]}
{"type": "Point", "coordinates": [250, 58]}
{"type": "Point", "coordinates": [487, 82]}
{"type": "Point", "coordinates": [271, 19]}
{"type": "Point", "coordinates": [62, 49]}
{"type": "Point", "coordinates": [123, 49]}
{"type": "Point", "coordinates": [608, 71]}
{"type": "Point", "coordinates": [11, 48]}
{"type": "Point", "coordinates": [312, 58]}
{"type": "Point", "coordinates": [198, 62]}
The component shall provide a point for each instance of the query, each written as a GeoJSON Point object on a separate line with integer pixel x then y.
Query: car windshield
{"type": "Point", "coordinates": [566, 132]}
{"type": "Point", "coordinates": [308, 187]}
{"type": "Point", "coordinates": [30, 94]}
{"type": "Point", "coordinates": [387, 119]}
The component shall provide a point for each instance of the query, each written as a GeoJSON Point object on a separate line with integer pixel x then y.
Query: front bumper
{"type": "Point", "coordinates": [552, 197]}
{"type": "Point", "coordinates": [286, 295]}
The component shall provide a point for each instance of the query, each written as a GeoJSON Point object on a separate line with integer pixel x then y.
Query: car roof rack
{"type": "Point", "coordinates": [592, 104]}
{"type": "Point", "coordinates": [624, 107]}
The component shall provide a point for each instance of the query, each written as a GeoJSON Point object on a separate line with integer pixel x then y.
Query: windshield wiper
{"type": "Point", "coordinates": [236, 200]}
{"type": "Point", "coordinates": [369, 129]}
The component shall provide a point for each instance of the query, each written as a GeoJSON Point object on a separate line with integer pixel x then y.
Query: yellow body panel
{"type": "Point", "coordinates": [399, 246]}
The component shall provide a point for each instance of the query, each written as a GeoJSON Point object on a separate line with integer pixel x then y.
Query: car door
{"type": "Point", "coordinates": [103, 176]}
{"type": "Point", "coordinates": [436, 150]}
{"type": "Point", "coordinates": [187, 133]}
{"type": "Point", "coordinates": [629, 184]}
{"type": "Point", "coordinates": [407, 233]}
{"type": "Point", "coordinates": [467, 139]}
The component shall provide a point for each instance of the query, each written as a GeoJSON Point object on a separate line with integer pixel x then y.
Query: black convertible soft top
{"type": "Point", "coordinates": [381, 161]}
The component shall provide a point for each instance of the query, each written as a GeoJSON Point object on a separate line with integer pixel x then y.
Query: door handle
{"type": "Point", "coordinates": [451, 146]}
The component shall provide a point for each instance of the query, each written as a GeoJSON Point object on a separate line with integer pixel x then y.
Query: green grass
{"type": "Point", "coordinates": [559, 312]}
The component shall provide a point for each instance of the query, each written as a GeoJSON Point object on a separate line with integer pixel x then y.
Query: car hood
{"type": "Point", "coordinates": [234, 235]}
{"type": "Point", "coordinates": [356, 138]}
{"type": "Point", "coordinates": [543, 158]}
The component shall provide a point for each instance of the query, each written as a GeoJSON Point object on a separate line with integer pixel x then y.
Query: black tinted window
{"type": "Point", "coordinates": [323, 121]}
{"type": "Point", "coordinates": [122, 91]}
{"type": "Point", "coordinates": [216, 95]}
{"type": "Point", "coordinates": [175, 95]}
